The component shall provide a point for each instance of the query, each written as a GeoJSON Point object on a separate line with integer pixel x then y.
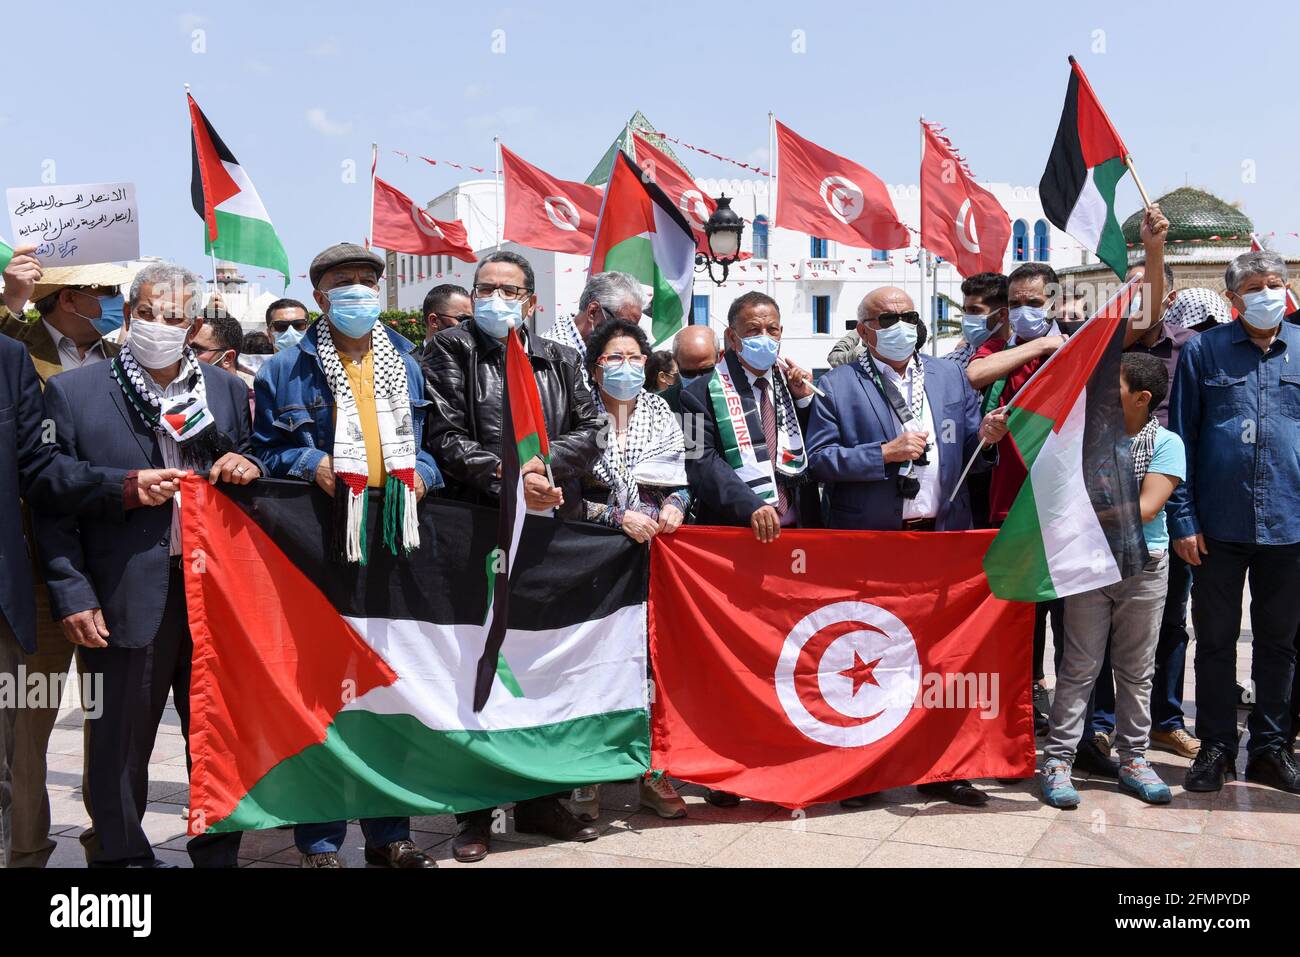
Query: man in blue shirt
{"type": "Point", "coordinates": [1236, 405]}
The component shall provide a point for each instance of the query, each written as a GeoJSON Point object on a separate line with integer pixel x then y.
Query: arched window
{"type": "Point", "coordinates": [1040, 241]}
{"type": "Point", "coordinates": [1020, 241]}
{"type": "Point", "coordinates": [760, 237]}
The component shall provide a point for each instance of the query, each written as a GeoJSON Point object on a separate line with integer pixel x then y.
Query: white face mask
{"type": "Point", "coordinates": [156, 345]}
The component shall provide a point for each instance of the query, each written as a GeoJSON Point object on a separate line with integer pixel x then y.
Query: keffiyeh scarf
{"type": "Point", "coordinates": [185, 418]}
{"type": "Point", "coordinates": [655, 451]}
{"type": "Point", "coordinates": [1191, 307]}
{"type": "Point", "coordinates": [1143, 447]}
{"type": "Point", "coordinates": [565, 332]}
{"type": "Point", "coordinates": [396, 441]}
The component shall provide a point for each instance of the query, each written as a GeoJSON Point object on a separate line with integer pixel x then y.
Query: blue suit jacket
{"type": "Point", "coordinates": [32, 467]}
{"type": "Point", "coordinates": [848, 427]}
{"type": "Point", "coordinates": [120, 566]}
{"type": "Point", "coordinates": [294, 417]}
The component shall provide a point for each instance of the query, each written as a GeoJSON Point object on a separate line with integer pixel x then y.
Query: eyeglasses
{"type": "Point", "coordinates": [616, 362]}
{"type": "Point", "coordinates": [466, 317]}
{"type": "Point", "coordinates": [887, 319]}
{"type": "Point", "coordinates": [283, 325]}
{"type": "Point", "coordinates": [486, 291]}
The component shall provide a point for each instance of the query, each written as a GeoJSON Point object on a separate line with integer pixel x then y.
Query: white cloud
{"type": "Point", "coordinates": [758, 157]}
{"type": "Point", "coordinates": [325, 48]}
{"type": "Point", "coordinates": [321, 123]}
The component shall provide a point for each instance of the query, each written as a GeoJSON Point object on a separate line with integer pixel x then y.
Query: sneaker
{"type": "Point", "coordinates": [328, 859]}
{"type": "Point", "coordinates": [585, 802]}
{"type": "Point", "coordinates": [1138, 778]}
{"type": "Point", "coordinates": [1179, 741]}
{"type": "Point", "coordinates": [1054, 781]}
{"type": "Point", "coordinates": [659, 795]}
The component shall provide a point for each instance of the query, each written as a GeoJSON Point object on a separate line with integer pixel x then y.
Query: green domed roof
{"type": "Point", "coordinates": [1195, 215]}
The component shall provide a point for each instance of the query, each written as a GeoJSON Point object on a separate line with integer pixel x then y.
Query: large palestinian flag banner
{"type": "Point", "coordinates": [1076, 524]}
{"type": "Point", "coordinates": [324, 691]}
{"type": "Point", "coordinates": [837, 664]}
{"type": "Point", "coordinates": [237, 225]}
{"type": "Point", "coordinates": [1086, 164]}
{"type": "Point", "coordinates": [642, 232]}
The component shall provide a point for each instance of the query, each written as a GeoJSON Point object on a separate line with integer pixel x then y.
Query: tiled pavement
{"type": "Point", "coordinates": [1244, 825]}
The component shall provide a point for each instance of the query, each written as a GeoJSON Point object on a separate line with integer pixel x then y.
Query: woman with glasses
{"type": "Point", "coordinates": [637, 484]}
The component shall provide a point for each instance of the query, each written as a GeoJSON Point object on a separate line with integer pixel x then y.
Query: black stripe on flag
{"type": "Point", "coordinates": [1066, 174]}
{"type": "Point", "coordinates": [1108, 461]}
{"type": "Point", "coordinates": [196, 173]}
{"type": "Point", "coordinates": [565, 572]}
{"type": "Point", "coordinates": [657, 195]}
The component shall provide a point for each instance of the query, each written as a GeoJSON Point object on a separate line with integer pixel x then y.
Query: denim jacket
{"type": "Point", "coordinates": [293, 418]}
{"type": "Point", "coordinates": [1237, 410]}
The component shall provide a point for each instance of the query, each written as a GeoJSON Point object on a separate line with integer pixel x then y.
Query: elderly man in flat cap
{"type": "Point", "coordinates": [345, 408]}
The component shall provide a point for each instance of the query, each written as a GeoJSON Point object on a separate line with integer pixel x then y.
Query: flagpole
{"type": "Point", "coordinates": [496, 193]}
{"type": "Point", "coordinates": [1137, 180]}
{"type": "Point", "coordinates": [923, 261]}
{"type": "Point", "coordinates": [374, 166]}
{"type": "Point", "coordinates": [771, 197]}
{"type": "Point", "coordinates": [1132, 283]}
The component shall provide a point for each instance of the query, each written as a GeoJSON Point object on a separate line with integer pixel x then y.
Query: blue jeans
{"type": "Point", "coordinates": [1274, 572]}
{"type": "Point", "coordinates": [328, 837]}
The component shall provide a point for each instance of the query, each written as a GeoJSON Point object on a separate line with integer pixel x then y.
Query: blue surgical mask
{"type": "Point", "coordinates": [759, 352]}
{"type": "Point", "coordinates": [1029, 322]}
{"type": "Point", "coordinates": [623, 382]}
{"type": "Point", "coordinates": [289, 338]}
{"type": "Point", "coordinates": [1265, 308]}
{"type": "Point", "coordinates": [497, 316]}
{"type": "Point", "coordinates": [354, 309]}
{"type": "Point", "coordinates": [897, 342]}
{"type": "Point", "coordinates": [975, 329]}
{"type": "Point", "coordinates": [110, 314]}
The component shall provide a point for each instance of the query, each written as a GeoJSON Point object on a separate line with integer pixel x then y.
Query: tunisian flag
{"type": "Point", "coordinates": [823, 194]}
{"type": "Point", "coordinates": [834, 664]}
{"type": "Point", "coordinates": [401, 226]}
{"type": "Point", "coordinates": [960, 220]}
{"type": "Point", "coordinates": [543, 212]}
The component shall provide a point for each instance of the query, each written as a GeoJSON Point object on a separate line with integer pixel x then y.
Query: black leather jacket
{"type": "Point", "coordinates": [465, 370]}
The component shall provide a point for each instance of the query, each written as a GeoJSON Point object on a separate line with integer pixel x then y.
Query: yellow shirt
{"type": "Point", "coordinates": [361, 377]}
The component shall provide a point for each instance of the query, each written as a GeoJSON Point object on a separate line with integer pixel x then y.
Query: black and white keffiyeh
{"type": "Point", "coordinates": [918, 381]}
{"type": "Point", "coordinates": [1143, 447]}
{"type": "Point", "coordinates": [655, 450]}
{"type": "Point", "coordinates": [185, 418]}
{"type": "Point", "coordinates": [397, 445]}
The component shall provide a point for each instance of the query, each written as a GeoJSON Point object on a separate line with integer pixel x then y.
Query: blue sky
{"type": "Point", "coordinates": [297, 89]}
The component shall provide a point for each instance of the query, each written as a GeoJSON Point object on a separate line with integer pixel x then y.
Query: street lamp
{"type": "Point", "coordinates": [723, 233]}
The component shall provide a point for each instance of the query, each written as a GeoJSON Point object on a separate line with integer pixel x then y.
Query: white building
{"type": "Point", "coordinates": [817, 283]}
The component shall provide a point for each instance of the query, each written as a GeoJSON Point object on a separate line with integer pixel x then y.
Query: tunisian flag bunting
{"type": "Point", "coordinates": [543, 212]}
{"type": "Point", "coordinates": [960, 220]}
{"type": "Point", "coordinates": [401, 226]}
{"type": "Point", "coordinates": [836, 664]}
{"type": "Point", "coordinates": [323, 692]}
{"type": "Point", "coordinates": [823, 194]}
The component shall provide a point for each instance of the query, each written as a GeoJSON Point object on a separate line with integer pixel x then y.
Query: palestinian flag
{"type": "Point", "coordinates": [6, 254]}
{"type": "Point", "coordinates": [1075, 525]}
{"type": "Point", "coordinates": [324, 691]}
{"type": "Point", "coordinates": [643, 233]}
{"type": "Point", "coordinates": [1087, 162]}
{"type": "Point", "coordinates": [238, 228]}
{"type": "Point", "coordinates": [521, 407]}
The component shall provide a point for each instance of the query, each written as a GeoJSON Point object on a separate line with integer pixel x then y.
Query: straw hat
{"type": "Point", "coordinates": [96, 274]}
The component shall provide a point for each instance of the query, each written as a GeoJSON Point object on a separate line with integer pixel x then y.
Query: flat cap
{"type": "Point", "coordinates": [343, 254]}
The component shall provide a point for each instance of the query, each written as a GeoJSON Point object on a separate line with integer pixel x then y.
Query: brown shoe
{"type": "Point", "coordinates": [400, 854]}
{"type": "Point", "coordinates": [328, 860]}
{"type": "Point", "coordinates": [551, 818]}
{"type": "Point", "coordinates": [1177, 741]}
{"type": "Point", "coordinates": [472, 842]}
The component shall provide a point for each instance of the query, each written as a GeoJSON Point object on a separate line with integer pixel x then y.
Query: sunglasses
{"type": "Point", "coordinates": [887, 319]}
{"type": "Point", "coordinates": [282, 325]}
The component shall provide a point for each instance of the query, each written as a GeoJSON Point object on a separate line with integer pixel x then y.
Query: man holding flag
{"type": "Point", "coordinates": [345, 408]}
{"type": "Point", "coordinates": [475, 436]}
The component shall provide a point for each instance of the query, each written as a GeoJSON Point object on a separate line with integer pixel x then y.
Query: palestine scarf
{"type": "Point", "coordinates": [396, 442]}
{"type": "Point", "coordinates": [1143, 447]}
{"type": "Point", "coordinates": [655, 448]}
{"type": "Point", "coordinates": [185, 418]}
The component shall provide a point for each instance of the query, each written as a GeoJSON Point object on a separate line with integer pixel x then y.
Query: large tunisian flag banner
{"type": "Point", "coordinates": [960, 220]}
{"type": "Point", "coordinates": [830, 665]}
